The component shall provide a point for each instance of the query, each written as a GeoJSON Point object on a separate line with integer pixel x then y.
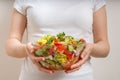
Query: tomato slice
{"type": "Point", "coordinates": [51, 51]}
{"type": "Point", "coordinates": [37, 47]}
{"type": "Point", "coordinates": [69, 54]}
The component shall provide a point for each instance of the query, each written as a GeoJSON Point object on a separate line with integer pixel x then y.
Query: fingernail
{"type": "Point", "coordinates": [82, 56]}
{"type": "Point", "coordinates": [32, 50]}
{"type": "Point", "coordinates": [43, 59]}
{"type": "Point", "coordinates": [72, 67]}
{"type": "Point", "coordinates": [51, 72]}
{"type": "Point", "coordinates": [67, 72]}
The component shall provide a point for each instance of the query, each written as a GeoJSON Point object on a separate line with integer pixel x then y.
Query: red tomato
{"type": "Point", "coordinates": [69, 54]}
{"type": "Point", "coordinates": [37, 47]}
{"type": "Point", "coordinates": [60, 47]}
{"type": "Point", "coordinates": [51, 51]}
{"type": "Point", "coordinates": [57, 44]}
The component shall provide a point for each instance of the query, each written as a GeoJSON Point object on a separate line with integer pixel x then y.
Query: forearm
{"type": "Point", "coordinates": [15, 48]}
{"type": "Point", "coordinates": [100, 49]}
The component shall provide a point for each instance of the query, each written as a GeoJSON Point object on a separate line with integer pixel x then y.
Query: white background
{"type": "Point", "coordinates": [104, 68]}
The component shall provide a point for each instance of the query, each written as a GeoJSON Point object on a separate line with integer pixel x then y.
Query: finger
{"type": "Point", "coordinates": [27, 49]}
{"type": "Point", "coordinates": [30, 48]}
{"type": "Point", "coordinates": [43, 69]}
{"type": "Point", "coordinates": [77, 64]}
{"type": "Point", "coordinates": [84, 52]}
{"type": "Point", "coordinates": [88, 49]}
{"type": "Point", "coordinates": [32, 56]}
{"type": "Point", "coordinates": [72, 70]}
{"type": "Point", "coordinates": [38, 59]}
{"type": "Point", "coordinates": [84, 59]}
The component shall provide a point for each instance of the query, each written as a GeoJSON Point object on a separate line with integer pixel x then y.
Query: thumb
{"type": "Point", "coordinates": [30, 47]}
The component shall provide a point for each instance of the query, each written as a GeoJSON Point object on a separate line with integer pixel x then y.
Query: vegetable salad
{"type": "Point", "coordinates": [60, 51]}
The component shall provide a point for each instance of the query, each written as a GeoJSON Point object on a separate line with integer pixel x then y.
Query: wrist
{"type": "Point", "coordinates": [91, 48]}
{"type": "Point", "coordinates": [24, 46]}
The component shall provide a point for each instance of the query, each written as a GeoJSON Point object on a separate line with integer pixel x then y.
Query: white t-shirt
{"type": "Point", "coordinates": [74, 17]}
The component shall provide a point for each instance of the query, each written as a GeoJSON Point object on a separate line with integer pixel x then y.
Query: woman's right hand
{"type": "Point", "coordinates": [30, 52]}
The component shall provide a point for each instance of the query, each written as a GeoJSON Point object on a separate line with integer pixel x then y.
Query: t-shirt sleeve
{"type": "Point", "coordinates": [98, 4]}
{"type": "Point", "coordinates": [19, 5]}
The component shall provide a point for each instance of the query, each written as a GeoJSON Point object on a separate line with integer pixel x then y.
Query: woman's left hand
{"type": "Point", "coordinates": [84, 57]}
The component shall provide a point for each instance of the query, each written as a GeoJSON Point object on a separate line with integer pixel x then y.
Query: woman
{"type": "Point", "coordinates": [78, 18]}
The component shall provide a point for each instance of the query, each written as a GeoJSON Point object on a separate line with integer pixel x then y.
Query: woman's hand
{"type": "Point", "coordinates": [84, 57]}
{"type": "Point", "coordinates": [30, 52]}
